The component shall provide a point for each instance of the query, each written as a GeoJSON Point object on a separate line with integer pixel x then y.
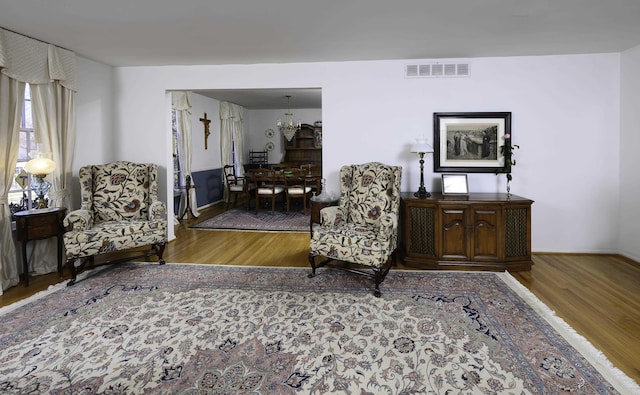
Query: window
{"type": "Point", "coordinates": [20, 199]}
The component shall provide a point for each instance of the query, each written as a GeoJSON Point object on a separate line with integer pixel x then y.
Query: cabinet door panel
{"type": "Point", "coordinates": [454, 233]}
{"type": "Point", "coordinates": [485, 229]}
{"type": "Point", "coordinates": [518, 232]}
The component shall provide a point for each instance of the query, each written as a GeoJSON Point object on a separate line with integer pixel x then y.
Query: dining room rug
{"type": "Point", "coordinates": [184, 329]}
{"type": "Point", "coordinates": [264, 221]}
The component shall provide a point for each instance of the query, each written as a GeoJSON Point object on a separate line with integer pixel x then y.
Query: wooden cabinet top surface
{"type": "Point", "coordinates": [472, 197]}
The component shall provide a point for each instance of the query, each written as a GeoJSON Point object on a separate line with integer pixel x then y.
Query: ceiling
{"type": "Point", "coordinates": [267, 99]}
{"type": "Point", "coordinates": [192, 32]}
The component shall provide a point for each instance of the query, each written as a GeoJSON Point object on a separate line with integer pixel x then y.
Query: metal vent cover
{"type": "Point", "coordinates": [438, 70]}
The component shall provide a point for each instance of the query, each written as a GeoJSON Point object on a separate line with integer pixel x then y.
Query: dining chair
{"type": "Point", "coordinates": [297, 186]}
{"type": "Point", "coordinates": [266, 186]}
{"type": "Point", "coordinates": [236, 186]}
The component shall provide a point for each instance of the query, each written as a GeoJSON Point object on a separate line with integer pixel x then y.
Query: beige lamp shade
{"type": "Point", "coordinates": [40, 166]}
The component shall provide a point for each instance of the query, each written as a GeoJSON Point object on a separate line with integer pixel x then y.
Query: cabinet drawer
{"type": "Point", "coordinates": [42, 230]}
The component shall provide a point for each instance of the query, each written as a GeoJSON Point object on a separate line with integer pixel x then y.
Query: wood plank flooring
{"type": "Point", "coordinates": [598, 295]}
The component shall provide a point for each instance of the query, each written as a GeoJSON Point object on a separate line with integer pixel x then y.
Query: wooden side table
{"type": "Point", "coordinates": [39, 224]}
{"type": "Point", "coordinates": [188, 186]}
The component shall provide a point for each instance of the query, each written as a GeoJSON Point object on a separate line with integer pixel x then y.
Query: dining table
{"type": "Point", "coordinates": [282, 174]}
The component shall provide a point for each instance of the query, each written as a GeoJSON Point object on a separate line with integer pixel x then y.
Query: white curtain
{"type": "Point", "coordinates": [231, 137]}
{"type": "Point", "coordinates": [51, 73]}
{"type": "Point", "coordinates": [54, 127]}
{"type": "Point", "coordinates": [11, 96]}
{"type": "Point", "coordinates": [180, 102]}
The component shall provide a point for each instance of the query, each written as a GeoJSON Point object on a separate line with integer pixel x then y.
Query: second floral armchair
{"type": "Point", "coordinates": [363, 229]}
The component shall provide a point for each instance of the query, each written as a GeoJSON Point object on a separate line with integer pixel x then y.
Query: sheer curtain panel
{"type": "Point", "coordinates": [180, 101]}
{"type": "Point", "coordinates": [231, 137]}
{"type": "Point", "coordinates": [11, 95]}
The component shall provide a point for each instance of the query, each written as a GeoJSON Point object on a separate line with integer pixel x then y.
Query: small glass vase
{"type": "Point", "coordinates": [508, 188]}
{"type": "Point", "coordinates": [324, 195]}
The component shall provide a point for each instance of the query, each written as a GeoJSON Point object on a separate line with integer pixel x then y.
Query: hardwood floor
{"type": "Point", "coordinates": [598, 295]}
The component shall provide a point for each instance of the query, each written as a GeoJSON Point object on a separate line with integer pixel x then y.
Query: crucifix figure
{"type": "Point", "coordinates": [206, 123]}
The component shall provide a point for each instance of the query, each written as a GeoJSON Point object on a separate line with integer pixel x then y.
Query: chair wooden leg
{"type": "Point", "coordinates": [158, 249]}
{"type": "Point", "coordinates": [312, 261]}
{"type": "Point", "coordinates": [379, 274]}
{"type": "Point", "coordinates": [89, 260]}
{"type": "Point", "coordinates": [72, 268]}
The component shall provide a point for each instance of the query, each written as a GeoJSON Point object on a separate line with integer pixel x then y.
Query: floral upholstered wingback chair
{"type": "Point", "coordinates": [363, 228]}
{"type": "Point", "coordinates": [119, 210]}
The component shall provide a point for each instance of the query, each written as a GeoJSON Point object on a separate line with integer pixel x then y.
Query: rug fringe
{"type": "Point", "coordinates": [597, 358]}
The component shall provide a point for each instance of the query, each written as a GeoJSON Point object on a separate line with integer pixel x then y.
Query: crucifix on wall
{"type": "Point", "coordinates": [207, 132]}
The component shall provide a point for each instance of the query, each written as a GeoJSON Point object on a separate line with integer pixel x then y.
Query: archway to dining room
{"type": "Point", "coordinates": [261, 109]}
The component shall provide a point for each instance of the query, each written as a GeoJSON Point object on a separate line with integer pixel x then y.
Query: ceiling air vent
{"type": "Point", "coordinates": [437, 70]}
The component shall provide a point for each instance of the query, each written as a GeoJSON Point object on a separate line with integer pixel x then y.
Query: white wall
{"type": "Point", "coordinates": [566, 112]}
{"type": "Point", "coordinates": [94, 109]}
{"type": "Point", "coordinates": [210, 158]}
{"type": "Point", "coordinates": [94, 119]}
{"type": "Point", "coordinates": [629, 220]}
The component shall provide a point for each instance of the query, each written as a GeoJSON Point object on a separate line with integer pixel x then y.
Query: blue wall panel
{"type": "Point", "coordinates": [209, 186]}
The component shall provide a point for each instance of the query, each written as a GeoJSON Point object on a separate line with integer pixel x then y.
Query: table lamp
{"type": "Point", "coordinates": [421, 147]}
{"type": "Point", "coordinates": [39, 167]}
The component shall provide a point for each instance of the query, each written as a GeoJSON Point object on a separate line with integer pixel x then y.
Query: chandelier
{"type": "Point", "coordinates": [288, 127]}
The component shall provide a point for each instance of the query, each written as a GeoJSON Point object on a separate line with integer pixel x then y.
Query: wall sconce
{"type": "Point", "coordinates": [421, 147]}
{"type": "Point", "coordinates": [39, 167]}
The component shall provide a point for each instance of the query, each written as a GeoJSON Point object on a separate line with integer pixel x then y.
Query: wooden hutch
{"type": "Point", "coordinates": [305, 148]}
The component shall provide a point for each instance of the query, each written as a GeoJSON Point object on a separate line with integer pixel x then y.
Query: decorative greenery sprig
{"type": "Point", "coordinates": [506, 150]}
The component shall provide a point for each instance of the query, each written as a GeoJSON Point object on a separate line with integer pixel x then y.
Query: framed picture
{"type": "Point", "coordinates": [469, 142]}
{"type": "Point", "coordinates": [455, 184]}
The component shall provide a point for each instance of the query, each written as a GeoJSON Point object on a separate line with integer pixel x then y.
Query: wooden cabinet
{"type": "Point", "coordinates": [486, 231]}
{"type": "Point", "coordinates": [305, 148]}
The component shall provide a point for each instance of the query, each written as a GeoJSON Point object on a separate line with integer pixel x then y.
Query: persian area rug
{"type": "Point", "coordinates": [241, 219]}
{"type": "Point", "coordinates": [191, 329]}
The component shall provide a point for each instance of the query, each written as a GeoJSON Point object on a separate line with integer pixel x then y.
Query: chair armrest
{"type": "Point", "coordinates": [157, 210]}
{"type": "Point", "coordinates": [331, 216]}
{"type": "Point", "coordinates": [79, 220]}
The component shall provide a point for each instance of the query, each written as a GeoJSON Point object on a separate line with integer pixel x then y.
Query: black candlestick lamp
{"type": "Point", "coordinates": [421, 147]}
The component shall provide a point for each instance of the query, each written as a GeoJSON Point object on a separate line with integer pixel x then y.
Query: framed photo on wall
{"type": "Point", "coordinates": [469, 142]}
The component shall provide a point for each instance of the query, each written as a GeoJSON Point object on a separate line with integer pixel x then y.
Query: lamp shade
{"type": "Point", "coordinates": [40, 166]}
{"type": "Point", "coordinates": [421, 145]}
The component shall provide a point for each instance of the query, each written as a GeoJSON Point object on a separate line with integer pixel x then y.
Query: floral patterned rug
{"type": "Point", "coordinates": [264, 221]}
{"type": "Point", "coordinates": [206, 329]}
